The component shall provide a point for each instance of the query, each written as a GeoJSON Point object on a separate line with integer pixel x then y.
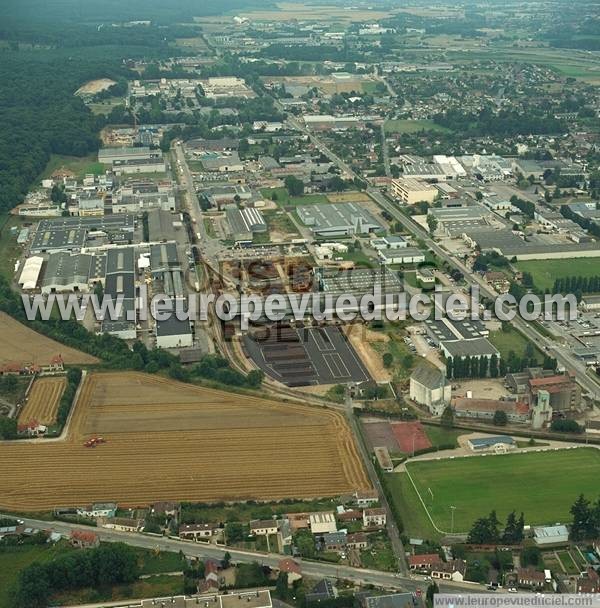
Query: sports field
{"type": "Point", "coordinates": [543, 485]}
{"type": "Point", "coordinates": [545, 272]}
{"type": "Point", "coordinates": [171, 441]}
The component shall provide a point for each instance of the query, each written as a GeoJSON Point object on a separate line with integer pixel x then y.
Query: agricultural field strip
{"type": "Point", "coordinates": [43, 400]}
{"type": "Point", "coordinates": [281, 459]}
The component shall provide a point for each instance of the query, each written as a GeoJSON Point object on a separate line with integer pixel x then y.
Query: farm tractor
{"type": "Point", "coordinates": [94, 441]}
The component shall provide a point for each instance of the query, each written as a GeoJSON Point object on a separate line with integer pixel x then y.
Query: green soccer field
{"type": "Point", "coordinates": [543, 485]}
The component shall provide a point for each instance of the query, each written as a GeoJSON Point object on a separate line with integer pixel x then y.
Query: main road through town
{"type": "Point", "coordinates": [208, 551]}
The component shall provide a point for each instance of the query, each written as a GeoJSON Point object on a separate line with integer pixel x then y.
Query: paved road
{"type": "Point", "coordinates": [391, 527]}
{"type": "Point", "coordinates": [314, 569]}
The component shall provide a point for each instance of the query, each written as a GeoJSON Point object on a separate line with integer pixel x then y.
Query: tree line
{"type": "Point", "coordinates": [106, 565]}
{"type": "Point", "coordinates": [586, 519]}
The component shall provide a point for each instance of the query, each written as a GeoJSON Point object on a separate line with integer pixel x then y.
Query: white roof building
{"type": "Point", "coordinates": [31, 272]}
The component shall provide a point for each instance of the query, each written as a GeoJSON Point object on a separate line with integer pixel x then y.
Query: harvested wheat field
{"type": "Point", "coordinates": [23, 345]}
{"type": "Point", "coordinates": [42, 401]}
{"type": "Point", "coordinates": [171, 441]}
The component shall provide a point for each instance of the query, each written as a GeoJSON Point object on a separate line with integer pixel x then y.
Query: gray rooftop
{"type": "Point", "coordinates": [429, 376]}
{"type": "Point", "coordinates": [351, 217]}
{"type": "Point", "coordinates": [470, 348]}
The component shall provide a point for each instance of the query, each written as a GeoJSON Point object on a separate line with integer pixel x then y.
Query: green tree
{"type": "Point", "coordinates": [294, 186]}
{"type": "Point", "coordinates": [448, 417]}
{"type": "Point", "coordinates": [432, 223]}
{"type": "Point", "coordinates": [500, 418]}
{"type": "Point", "coordinates": [388, 359]}
{"type": "Point", "coordinates": [431, 592]}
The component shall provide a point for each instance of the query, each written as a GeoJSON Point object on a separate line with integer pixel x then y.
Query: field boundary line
{"type": "Point", "coordinates": [427, 510]}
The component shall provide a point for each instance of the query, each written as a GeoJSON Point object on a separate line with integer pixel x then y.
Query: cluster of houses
{"type": "Point", "coordinates": [329, 528]}
{"type": "Point", "coordinates": [13, 368]}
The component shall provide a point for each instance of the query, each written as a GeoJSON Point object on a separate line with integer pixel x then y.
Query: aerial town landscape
{"type": "Point", "coordinates": [299, 302]}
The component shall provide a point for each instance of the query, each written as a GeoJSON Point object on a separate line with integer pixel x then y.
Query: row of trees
{"type": "Point", "coordinates": [112, 564]}
{"type": "Point", "coordinates": [586, 223]}
{"type": "Point", "coordinates": [586, 519]}
{"type": "Point", "coordinates": [488, 531]}
{"type": "Point", "coordinates": [574, 284]}
{"type": "Point", "coordinates": [66, 401]}
{"type": "Point", "coordinates": [472, 367]}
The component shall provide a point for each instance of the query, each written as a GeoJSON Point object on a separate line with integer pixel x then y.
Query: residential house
{"type": "Point", "coordinates": [263, 527]}
{"type": "Point", "coordinates": [392, 600]}
{"type": "Point", "coordinates": [357, 540]}
{"type": "Point", "coordinates": [374, 518]}
{"type": "Point", "coordinates": [196, 532]}
{"type": "Point", "coordinates": [105, 509]}
{"type": "Point", "coordinates": [84, 539]}
{"type": "Point", "coordinates": [333, 541]}
{"type": "Point", "coordinates": [124, 524]}
{"type": "Point", "coordinates": [530, 578]}
{"type": "Point", "coordinates": [589, 582]}
{"type": "Point", "coordinates": [211, 582]}
{"type": "Point", "coordinates": [323, 590]}
{"type": "Point", "coordinates": [366, 498]}
{"type": "Point", "coordinates": [427, 561]}
{"type": "Point", "coordinates": [350, 515]}
{"type": "Point", "coordinates": [291, 568]}
{"type": "Point", "coordinates": [454, 570]}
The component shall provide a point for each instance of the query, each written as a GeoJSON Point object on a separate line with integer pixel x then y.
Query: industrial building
{"type": "Point", "coordinates": [430, 387]}
{"type": "Point", "coordinates": [243, 223]}
{"type": "Point", "coordinates": [389, 242]}
{"type": "Point", "coordinates": [74, 233]}
{"type": "Point", "coordinates": [134, 165]}
{"type": "Point", "coordinates": [476, 348]}
{"type": "Point", "coordinates": [120, 284]}
{"type": "Point", "coordinates": [537, 246]}
{"type": "Point", "coordinates": [108, 156]}
{"type": "Point", "coordinates": [173, 332]}
{"type": "Point", "coordinates": [165, 267]}
{"type": "Point", "coordinates": [410, 191]}
{"type": "Point", "coordinates": [407, 255]}
{"type": "Point", "coordinates": [455, 221]}
{"type": "Point", "coordinates": [338, 220]}
{"type": "Point", "coordinates": [66, 272]}
{"type": "Point", "coordinates": [485, 409]}
{"type": "Point", "coordinates": [30, 273]}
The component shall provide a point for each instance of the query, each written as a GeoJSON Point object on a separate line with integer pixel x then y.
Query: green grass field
{"type": "Point", "coordinates": [80, 166]}
{"type": "Point", "coordinates": [505, 341]}
{"type": "Point", "coordinates": [543, 485]}
{"type": "Point", "coordinates": [413, 126]}
{"type": "Point", "coordinates": [544, 272]}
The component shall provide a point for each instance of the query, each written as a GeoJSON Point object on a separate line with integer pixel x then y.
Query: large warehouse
{"type": "Point", "coordinates": [338, 220]}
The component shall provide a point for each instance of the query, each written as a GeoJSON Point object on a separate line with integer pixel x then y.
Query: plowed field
{"type": "Point", "coordinates": [173, 441]}
{"type": "Point", "coordinates": [42, 402]}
